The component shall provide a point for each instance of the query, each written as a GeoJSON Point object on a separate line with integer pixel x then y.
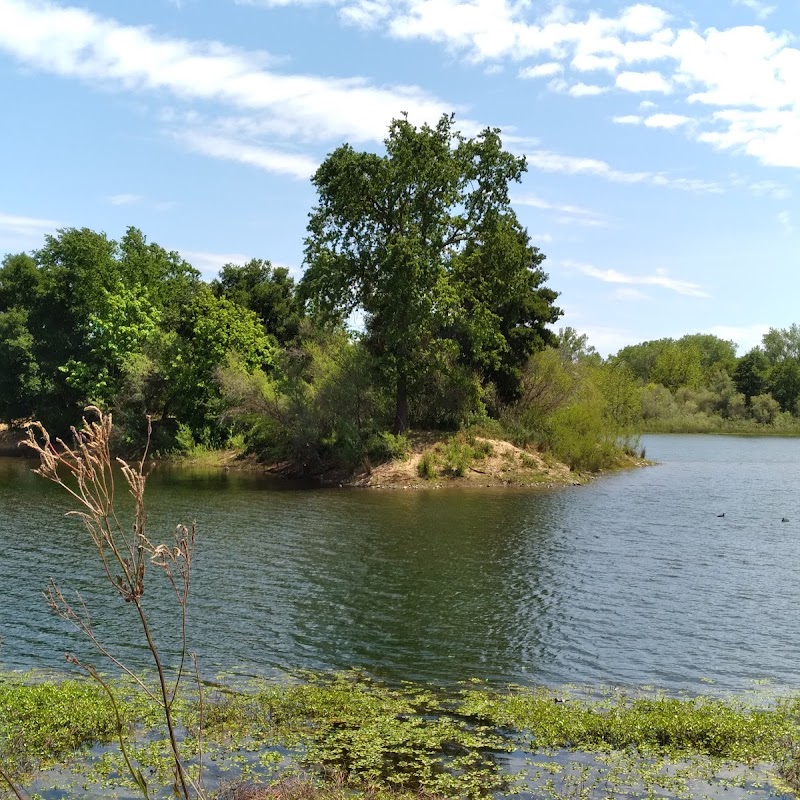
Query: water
{"type": "Point", "coordinates": [633, 580]}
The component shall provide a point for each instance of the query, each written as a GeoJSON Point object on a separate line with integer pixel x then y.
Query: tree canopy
{"type": "Point", "coordinates": [423, 241]}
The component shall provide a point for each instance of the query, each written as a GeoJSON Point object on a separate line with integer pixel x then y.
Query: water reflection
{"type": "Point", "coordinates": [632, 580]}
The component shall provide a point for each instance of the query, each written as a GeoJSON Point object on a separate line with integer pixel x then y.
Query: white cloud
{"type": "Point", "coordinates": [668, 121]}
{"type": "Point", "coordinates": [643, 82]}
{"type": "Point", "coordinates": [366, 13]}
{"type": "Point", "coordinates": [785, 219]}
{"type": "Point", "coordinates": [770, 136]}
{"type": "Point", "coordinates": [566, 212]}
{"type": "Point", "coordinates": [546, 70]}
{"type": "Point", "coordinates": [630, 293]}
{"type": "Point", "coordinates": [22, 233]}
{"type": "Point", "coordinates": [660, 278]}
{"type": "Point", "coordinates": [586, 90]}
{"type": "Point", "coordinates": [628, 119]}
{"type": "Point", "coordinates": [747, 75]}
{"type": "Point", "coordinates": [742, 71]}
{"type": "Point", "coordinates": [761, 10]}
{"type": "Point", "coordinates": [548, 161]}
{"type": "Point", "coordinates": [589, 62]}
{"type": "Point", "coordinates": [271, 160]}
{"type": "Point", "coordinates": [75, 43]}
{"type": "Point", "coordinates": [125, 199]}
{"type": "Point", "coordinates": [770, 189]}
{"type": "Point", "coordinates": [210, 264]}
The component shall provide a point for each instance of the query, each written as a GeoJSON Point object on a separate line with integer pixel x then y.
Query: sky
{"type": "Point", "coordinates": [662, 140]}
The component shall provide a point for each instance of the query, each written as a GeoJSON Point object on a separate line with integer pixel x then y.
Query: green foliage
{"type": "Point", "coordinates": [374, 736]}
{"type": "Point", "coordinates": [424, 241]}
{"type": "Point", "coordinates": [426, 467]}
{"type": "Point", "coordinates": [267, 291]}
{"type": "Point", "coordinates": [573, 346]}
{"type": "Point", "coordinates": [20, 379]}
{"type": "Point", "coordinates": [348, 735]}
{"type": "Point", "coordinates": [385, 446]}
{"type": "Point", "coordinates": [318, 408]}
{"type": "Point", "coordinates": [41, 722]}
{"type": "Point", "coordinates": [675, 726]}
{"type": "Point", "coordinates": [750, 375]}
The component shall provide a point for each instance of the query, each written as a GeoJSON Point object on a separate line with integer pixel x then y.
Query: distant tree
{"type": "Point", "coordinates": [750, 374]}
{"type": "Point", "coordinates": [268, 291]}
{"type": "Point", "coordinates": [784, 383]}
{"type": "Point", "coordinates": [20, 381]}
{"type": "Point", "coordinates": [677, 365]}
{"type": "Point", "coordinates": [641, 358]}
{"type": "Point", "coordinates": [213, 330]}
{"type": "Point", "coordinates": [424, 242]}
{"type": "Point", "coordinates": [781, 344]}
{"type": "Point", "coordinates": [714, 352]}
{"type": "Point", "coordinates": [573, 346]}
{"type": "Point", "coordinates": [19, 282]}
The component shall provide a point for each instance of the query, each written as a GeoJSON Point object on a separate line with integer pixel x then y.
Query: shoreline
{"type": "Point", "coordinates": [489, 463]}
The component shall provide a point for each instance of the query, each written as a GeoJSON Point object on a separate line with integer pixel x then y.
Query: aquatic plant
{"type": "Point", "coordinates": [86, 472]}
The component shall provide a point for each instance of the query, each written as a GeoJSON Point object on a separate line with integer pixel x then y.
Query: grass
{"type": "Point", "coordinates": [338, 736]}
{"type": "Point", "coordinates": [453, 457]}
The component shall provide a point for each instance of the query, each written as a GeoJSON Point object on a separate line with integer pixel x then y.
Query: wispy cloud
{"type": "Point", "coordinates": [75, 43]}
{"type": "Point", "coordinates": [660, 278]}
{"type": "Point", "coordinates": [22, 233]}
{"type": "Point", "coordinates": [269, 159]}
{"type": "Point", "coordinates": [548, 161]}
{"type": "Point", "coordinates": [125, 199]}
{"type": "Point", "coordinates": [566, 212]}
{"type": "Point", "coordinates": [666, 121]}
{"type": "Point", "coordinates": [747, 74]}
{"type": "Point", "coordinates": [210, 264]}
{"type": "Point", "coordinates": [770, 189]}
{"type": "Point", "coordinates": [785, 219]}
{"type": "Point", "coordinates": [760, 9]}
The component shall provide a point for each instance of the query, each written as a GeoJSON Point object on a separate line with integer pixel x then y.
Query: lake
{"type": "Point", "coordinates": [633, 580]}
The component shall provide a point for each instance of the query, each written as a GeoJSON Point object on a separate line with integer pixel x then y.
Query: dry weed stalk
{"type": "Point", "coordinates": [86, 472]}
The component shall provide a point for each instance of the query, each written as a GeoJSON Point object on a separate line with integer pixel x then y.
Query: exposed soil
{"type": "Point", "coordinates": [503, 465]}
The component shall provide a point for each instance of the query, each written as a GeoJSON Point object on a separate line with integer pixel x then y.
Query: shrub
{"type": "Point", "coordinates": [426, 468]}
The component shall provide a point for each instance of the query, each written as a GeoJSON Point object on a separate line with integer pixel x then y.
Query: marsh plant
{"type": "Point", "coordinates": [87, 472]}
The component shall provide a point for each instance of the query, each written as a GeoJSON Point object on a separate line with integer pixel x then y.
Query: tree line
{"type": "Point", "coordinates": [423, 305]}
{"type": "Point", "coordinates": [697, 382]}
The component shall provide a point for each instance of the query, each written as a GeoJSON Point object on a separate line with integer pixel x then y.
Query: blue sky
{"type": "Point", "coordinates": [663, 140]}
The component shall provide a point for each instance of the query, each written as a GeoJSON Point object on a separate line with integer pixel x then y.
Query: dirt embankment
{"type": "Point", "coordinates": [479, 461]}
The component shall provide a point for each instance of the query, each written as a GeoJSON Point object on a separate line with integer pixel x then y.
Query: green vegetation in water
{"type": "Point", "coordinates": [347, 735]}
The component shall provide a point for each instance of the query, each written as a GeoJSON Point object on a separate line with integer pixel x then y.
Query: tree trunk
{"type": "Point", "coordinates": [401, 407]}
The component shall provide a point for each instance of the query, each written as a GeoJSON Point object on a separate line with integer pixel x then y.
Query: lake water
{"type": "Point", "coordinates": [633, 580]}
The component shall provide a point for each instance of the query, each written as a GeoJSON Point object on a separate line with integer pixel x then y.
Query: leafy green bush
{"type": "Point", "coordinates": [426, 468]}
{"type": "Point", "coordinates": [387, 446]}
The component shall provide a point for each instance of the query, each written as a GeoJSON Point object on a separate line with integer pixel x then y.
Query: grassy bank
{"type": "Point", "coordinates": [346, 735]}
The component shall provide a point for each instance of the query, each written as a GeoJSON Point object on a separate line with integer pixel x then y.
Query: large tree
{"type": "Point", "coordinates": [424, 242]}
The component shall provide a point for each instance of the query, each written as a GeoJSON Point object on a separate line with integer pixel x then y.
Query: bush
{"type": "Point", "coordinates": [387, 446]}
{"type": "Point", "coordinates": [426, 468]}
